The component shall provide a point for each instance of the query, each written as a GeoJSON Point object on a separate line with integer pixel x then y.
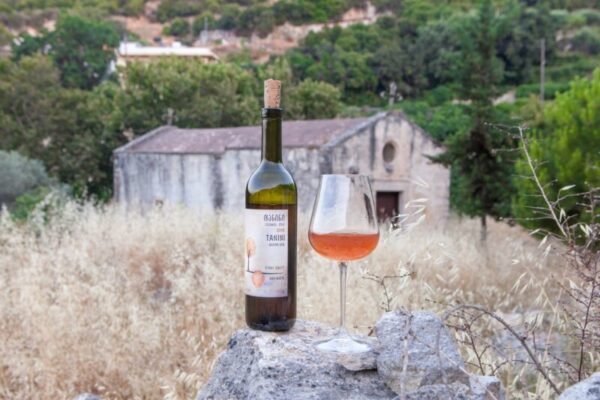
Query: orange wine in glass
{"type": "Point", "coordinates": [343, 228]}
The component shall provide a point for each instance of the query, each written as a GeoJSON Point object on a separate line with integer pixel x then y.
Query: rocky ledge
{"type": "Point", "coordinates": [414, 357]}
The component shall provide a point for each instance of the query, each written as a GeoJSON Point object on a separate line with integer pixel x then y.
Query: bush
{"type": "Point", "coordinates": [568, 141]}
{"type": "Point", "coordinates": [169, 9]}
{"type": "Point", "coordinates": [586, 41]}
{"type": "Point", "coordinates": [551, 89]}
{"type": "Point", "coordinates": [19, 175]}
{"type": "Point", "coordinates": [591, 16]}
{"type": "Point", "coordinates": [179, 27]}
{"type": "Point", "coordinates": [199, 22]}
{"type": "Point", "coordinates": [439, 95]}
{"type": "Point", "coordinates": [578, 65]}
{"type": "Point", "coordinates": [230, 15]}
{"type": "Point", "coordinates": [313, 100]}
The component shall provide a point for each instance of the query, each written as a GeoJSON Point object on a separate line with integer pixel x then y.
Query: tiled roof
{"type": "Point", "coordinates": [170, 139]}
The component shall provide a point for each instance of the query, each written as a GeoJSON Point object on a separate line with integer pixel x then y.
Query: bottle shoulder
{"type": "Point", "coordinates": [271, 183]}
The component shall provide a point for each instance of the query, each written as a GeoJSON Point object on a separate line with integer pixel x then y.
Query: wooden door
{"type": "Point", "coordinates": [387, 204]}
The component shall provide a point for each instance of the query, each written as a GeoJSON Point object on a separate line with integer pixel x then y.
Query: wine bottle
{"type": "Point", "coordinates": [270, 227]}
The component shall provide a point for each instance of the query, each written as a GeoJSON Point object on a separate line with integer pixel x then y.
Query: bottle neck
{"type": "Point", "coordinates": [271, 134]}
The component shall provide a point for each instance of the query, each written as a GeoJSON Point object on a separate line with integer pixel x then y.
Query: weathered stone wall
{"type": "Point", "coordinates": [207, 181]}
{"type": "Point", "coordinates": [204, 181]}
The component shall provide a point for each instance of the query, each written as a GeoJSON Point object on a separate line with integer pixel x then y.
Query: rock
{"type": "Point", "coordinates": [359, 362]}
{"type": "Point", "coordinates": [87, 396]}
{"type": "Point", "coordinates": [486, 388]}
{"type": "Point", "coordinates": [414, 357]}
{"type": "Point", "coordinates": [417, 350]}
{"type": "Point", "coordinates": [588, 389]}
{"type": "Point", "coordinates": [270, 366]}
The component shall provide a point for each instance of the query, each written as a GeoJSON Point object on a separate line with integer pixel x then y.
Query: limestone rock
{"type": "Point", "coordinates": [588, 389]}
{"type": "Point", "coordinates": [486, 388]}
{"type": "Point", "coordinates": [414, 357]}
{"type": "Point", "coordinates": [87, 396]}
{"type": "Point", "coordinates": [271, 366]}
{"type": "Point", "coordinates": [417, 350]}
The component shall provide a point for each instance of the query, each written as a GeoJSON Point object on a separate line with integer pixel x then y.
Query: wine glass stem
{"type": "Point", "coordinates": [343, 268]}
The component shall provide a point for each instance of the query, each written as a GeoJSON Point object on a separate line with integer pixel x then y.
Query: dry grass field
{"type": "Point", "coordinates": [134, 306]}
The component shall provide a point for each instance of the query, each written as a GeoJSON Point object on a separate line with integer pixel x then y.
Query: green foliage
{"type": "Point", "coordinates": [121, 7]}
{"type": "Point", "coordinates": [187, 93]}
{"type": "Point", "coordinates": [551, 89]}
{"type": "Point", "coordinates": [230, 14]}
{"type": "Point", "coordinates": [205, 19]}
{"type": "Point", "coordinates": [5, 36]}
{"type": "Point", "coordinates": [69, 130]}
{"type": "Point", "coordinates": [483, 173]}
{"type": "Point", "coordinates": [259, 19]}
{"type": "Point", "coordinates": [566, 67]}
{"type": "Point", "coordinates": [169, 9]}
{"type": "Point", "coordinates": [27, 202]}
{"type": "Point", "coordinates": [19, 175]}
{"type": "Point", "coordinates": [565, 147]}
{"type": "Point", "coordinates": [313, 100]}
{"type": "Point", "coordinates": [441, 122]}
{"type": "Point", "coordinates": [519, 31]}
{"type": "Point", "coordinates": [178, 27]}
{"type": "Point", "coordinates": [586, 41]}
{"type": "Point", "coordinates": [81, 48]}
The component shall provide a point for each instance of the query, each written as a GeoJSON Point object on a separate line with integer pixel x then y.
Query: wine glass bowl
{"type": "Point", "coordinates": [344, 228]}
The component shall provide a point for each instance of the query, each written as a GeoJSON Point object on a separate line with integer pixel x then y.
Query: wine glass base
{"type": "Point", "coordinates": [343, 344]}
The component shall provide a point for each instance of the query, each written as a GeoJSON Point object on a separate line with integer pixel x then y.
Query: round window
{"type": "Point", "coordinates": [389, 152]}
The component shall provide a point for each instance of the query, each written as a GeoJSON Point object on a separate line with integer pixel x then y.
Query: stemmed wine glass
{"type": "Point", "coordinates": [344, 228]}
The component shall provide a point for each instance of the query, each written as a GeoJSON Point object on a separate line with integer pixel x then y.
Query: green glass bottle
{"type": "Point", "coordinates": [271, 229]}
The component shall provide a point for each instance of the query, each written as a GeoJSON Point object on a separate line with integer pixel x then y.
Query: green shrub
{"type": "Point", "coordinates": [206, 18]}
{"type": "Point", "coordinates": [439, 95]}
{"type": "Point", "coordinates": [579, 65]}
{"type": "Point", "coordinates": [169, 9]}
{"type": "Point", "coordinates": [586, 41]}
{"type": "Point", "coordinates": [313, 100]}
{"type": "Point", "coordinates": [230, 15]}
{"type": "Point", "coordinates": [551, 89]}
{"type": "Point", "coordinates": [575, 20]}
{"type": "Point", "coordinates": [565, 148]}
{"type": "Point", "coordinates": [179, 27]}
{"type": "Point", "coordinates": [590, 16]}
{"type": "Point", "coordinates": [559, 17]}
{"type": "Point", "coordinates": [440, 122]}
{"type": "Point", "coordinates": [19, 175]}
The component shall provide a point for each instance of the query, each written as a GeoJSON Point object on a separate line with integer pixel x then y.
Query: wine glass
{"type": "Point", "coordinates": [344, 228]}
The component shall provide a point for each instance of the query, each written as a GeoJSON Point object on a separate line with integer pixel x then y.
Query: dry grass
{"type": "Point", "coordinates": [138, 307]}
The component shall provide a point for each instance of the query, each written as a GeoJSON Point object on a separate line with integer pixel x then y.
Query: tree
{"type": "Point", "coordinates": [187, 94]}
{"type": "Point", "coordinates": [566, 148]}
{"type": "Point", "coordinates": [81, 48]}
{"type": "Point", "coordinates": [73, 132]}
{"type": "Point", "coordinates": [313, 100]}
{"type": "Point", "coordinates": [179, 27]}
{"type": "Point", "coordinates": [483, 171]}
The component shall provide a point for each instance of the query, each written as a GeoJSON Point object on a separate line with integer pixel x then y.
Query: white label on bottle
{"type": "Point", "coordinates": [266, 253]}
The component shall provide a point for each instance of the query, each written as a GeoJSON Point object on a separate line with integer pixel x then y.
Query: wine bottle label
{"type": "Point", "coordinates": [266, 252]}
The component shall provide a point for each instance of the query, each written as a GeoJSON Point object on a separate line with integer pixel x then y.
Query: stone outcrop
{"type": "Point", "coordinates": [413, 357]}
{"type": "Point", "coordinates": [588, 389]}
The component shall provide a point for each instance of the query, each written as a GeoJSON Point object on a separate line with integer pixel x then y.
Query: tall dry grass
{"type": "Point", "coordinates": [134, 306]}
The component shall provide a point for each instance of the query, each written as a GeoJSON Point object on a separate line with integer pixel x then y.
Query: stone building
{"type": "Point", "coordinates": [207, 169]}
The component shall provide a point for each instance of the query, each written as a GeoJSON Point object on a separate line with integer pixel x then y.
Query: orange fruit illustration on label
{"type": "Point", "coordinates": [258, 278]}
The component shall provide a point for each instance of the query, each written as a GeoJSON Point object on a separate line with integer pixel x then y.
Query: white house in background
{"type": "Point", "coordinates": [132, 51]}
{"type": "Point", "coordinates": [208, 168]}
